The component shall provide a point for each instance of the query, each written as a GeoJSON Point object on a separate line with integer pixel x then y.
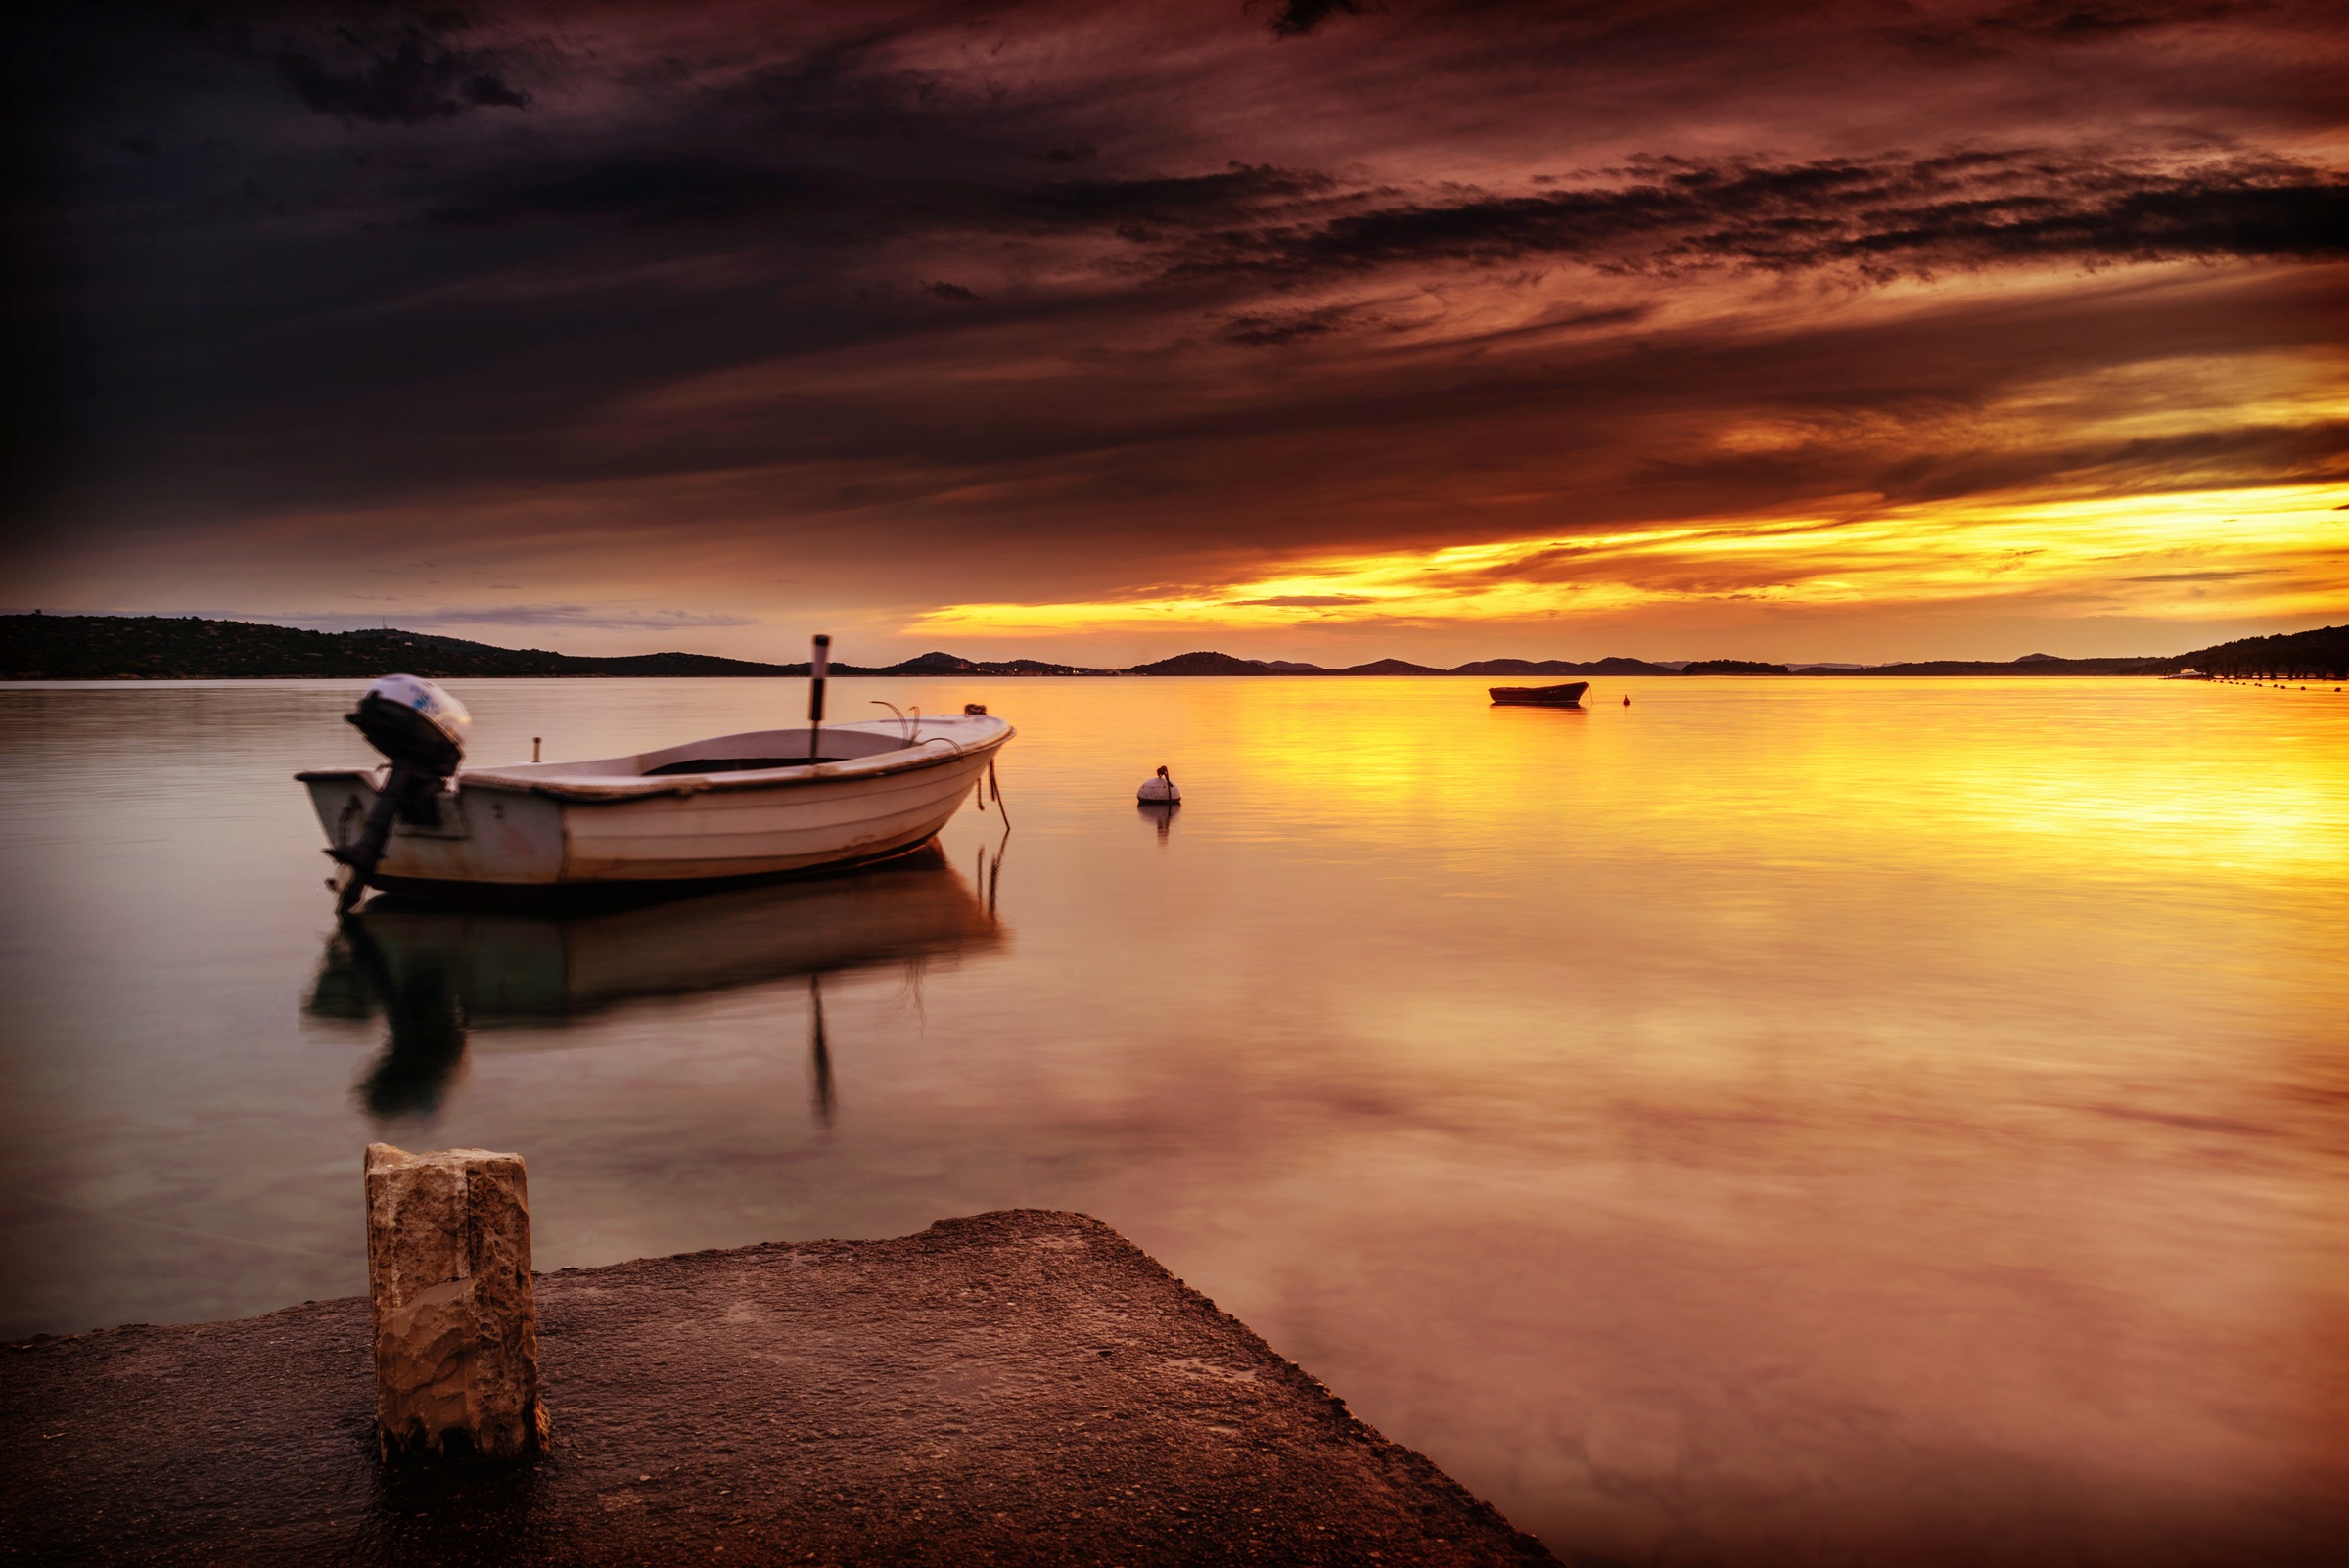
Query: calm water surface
{"type": "Point", "coordinates": [1794, 1120]}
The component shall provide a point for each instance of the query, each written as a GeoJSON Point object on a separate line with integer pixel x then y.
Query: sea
{"type": "Point", "coordinates": [1741, 1121]}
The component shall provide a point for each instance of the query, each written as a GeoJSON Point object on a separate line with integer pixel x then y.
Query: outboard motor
{"type": "Point", "coordinates": [420, 729]}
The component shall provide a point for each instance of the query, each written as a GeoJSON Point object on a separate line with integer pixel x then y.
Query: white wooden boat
{"type": "Point", "coordinates": [733, 805]}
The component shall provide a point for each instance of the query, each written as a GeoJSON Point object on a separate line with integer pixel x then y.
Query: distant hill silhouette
{"type": "Point", "coordinates": [2318, 655]}
{"type": "Point", "coordinates": [1204, 664]}
{"type": "Point", "coordinates": [2038, 665]}
{"type": "Point", "coordinates": [1731, 666]}
{"type": "Point", "coordinates": [1390, 667]}
{"type": "Point", "coordinates": [946, 663]}
{"type": "Point", "coordinates": [1564, 666]}
{"type": "Point", "coordinates": [42, 647]}
{"type": "Point", "coordinates": [46, 647]}
{"type": "Point", "coordinates": [1516, 667]}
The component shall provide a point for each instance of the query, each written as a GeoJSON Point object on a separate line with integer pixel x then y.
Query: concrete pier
{"type": "Point", "coordinates": [1021, 1387]}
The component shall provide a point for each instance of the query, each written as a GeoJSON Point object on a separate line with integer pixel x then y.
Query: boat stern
{"type": "Point", "coordinates": [482, 836]}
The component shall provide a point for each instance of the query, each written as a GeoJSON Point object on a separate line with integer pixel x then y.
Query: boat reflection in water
{"type": "Point", "coordinates": [437, 973]}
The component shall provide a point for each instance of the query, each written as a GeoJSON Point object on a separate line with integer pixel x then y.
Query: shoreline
{"type": "Point", "coordinates": [38, 646]}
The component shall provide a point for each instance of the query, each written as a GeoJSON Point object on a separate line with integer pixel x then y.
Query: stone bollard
{"type": "Point", "coordinates": [456, 1327]}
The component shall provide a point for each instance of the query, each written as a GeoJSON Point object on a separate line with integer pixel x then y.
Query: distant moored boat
{"type": "Point", "coordinates": [1569, 695]}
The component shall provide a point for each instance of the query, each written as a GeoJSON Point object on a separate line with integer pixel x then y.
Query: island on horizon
{"type": "Point", "coordinates": [39, 646]}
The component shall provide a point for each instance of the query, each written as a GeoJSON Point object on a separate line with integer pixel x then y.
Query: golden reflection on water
{"type": "Point", "coordinates": [1938, 773]}
{"type": "Point", "coordinates": [1774, 1121]}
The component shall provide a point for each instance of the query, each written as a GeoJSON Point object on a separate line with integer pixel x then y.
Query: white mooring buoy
{"type": "Point", "coordinates": [1161, 788]}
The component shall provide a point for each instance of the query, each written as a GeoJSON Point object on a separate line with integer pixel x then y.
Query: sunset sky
{"type": "Point", "coordinates": [1104, 332]}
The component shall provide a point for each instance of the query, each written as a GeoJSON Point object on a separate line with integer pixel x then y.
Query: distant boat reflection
{"type": "Point", "coordinates": [436, 973]}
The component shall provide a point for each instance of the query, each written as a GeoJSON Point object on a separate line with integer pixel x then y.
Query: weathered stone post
{"type": "Point", "coordinates": [456, 1327]}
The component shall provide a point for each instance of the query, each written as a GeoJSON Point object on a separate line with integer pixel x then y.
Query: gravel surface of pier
{"type": "Point", "coordinates": [1019, 1387]}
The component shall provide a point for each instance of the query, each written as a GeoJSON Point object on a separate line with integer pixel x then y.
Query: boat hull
{"type": "Point", "coordinates": [505, 968]}
{"type": "Point", "coordinates": [1566, 696]}
{"type": "Point", "coordinates": [523, 827]}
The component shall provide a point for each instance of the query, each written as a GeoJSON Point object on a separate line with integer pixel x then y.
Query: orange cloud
{"type": "Point", "coordinates": [2277, 551]}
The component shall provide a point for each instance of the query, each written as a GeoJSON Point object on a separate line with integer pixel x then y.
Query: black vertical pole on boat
{"type": "Point", "coordinates": [818, 663]}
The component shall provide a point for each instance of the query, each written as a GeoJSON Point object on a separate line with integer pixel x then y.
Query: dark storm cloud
{"type": "Point", "coordinates": [570, 614]}
{"type": "Point", "coordinates": [694, 187]}
{"type": "Point", "coordinates": [1264, 329]}
{"type": "Point", "coordinates": [410, 82]}
{"type": "Point", "coordinates": [1294, 19]}
{"type": "Point", "coordinates": [655, 191]}
{"type": "Point", "coordinates": [2069, 21]}
{"type": "Point", "coordinates": [1883, 216]}
{"type": "Point", "coordinates": [576, 616]}
{"type": "Point", "coordinates": [913, 270]}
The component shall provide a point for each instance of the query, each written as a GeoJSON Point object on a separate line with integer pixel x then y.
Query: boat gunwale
{"type": "Point", "coordinates": [920, 756]}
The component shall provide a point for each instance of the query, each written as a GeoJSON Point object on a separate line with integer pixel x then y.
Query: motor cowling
{"type": "Point", "coordinates": [419, 726]}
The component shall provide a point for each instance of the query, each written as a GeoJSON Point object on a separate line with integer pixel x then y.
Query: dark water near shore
{"type": "Point", "coordinates": [1786, 1121]}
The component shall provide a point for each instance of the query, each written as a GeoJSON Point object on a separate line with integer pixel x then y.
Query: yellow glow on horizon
{"type": "Point", "coordinates": [2279, 550]}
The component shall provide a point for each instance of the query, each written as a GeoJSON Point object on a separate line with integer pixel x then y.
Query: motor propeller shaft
{"type": "Point", "coordinates": [421, 729]}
